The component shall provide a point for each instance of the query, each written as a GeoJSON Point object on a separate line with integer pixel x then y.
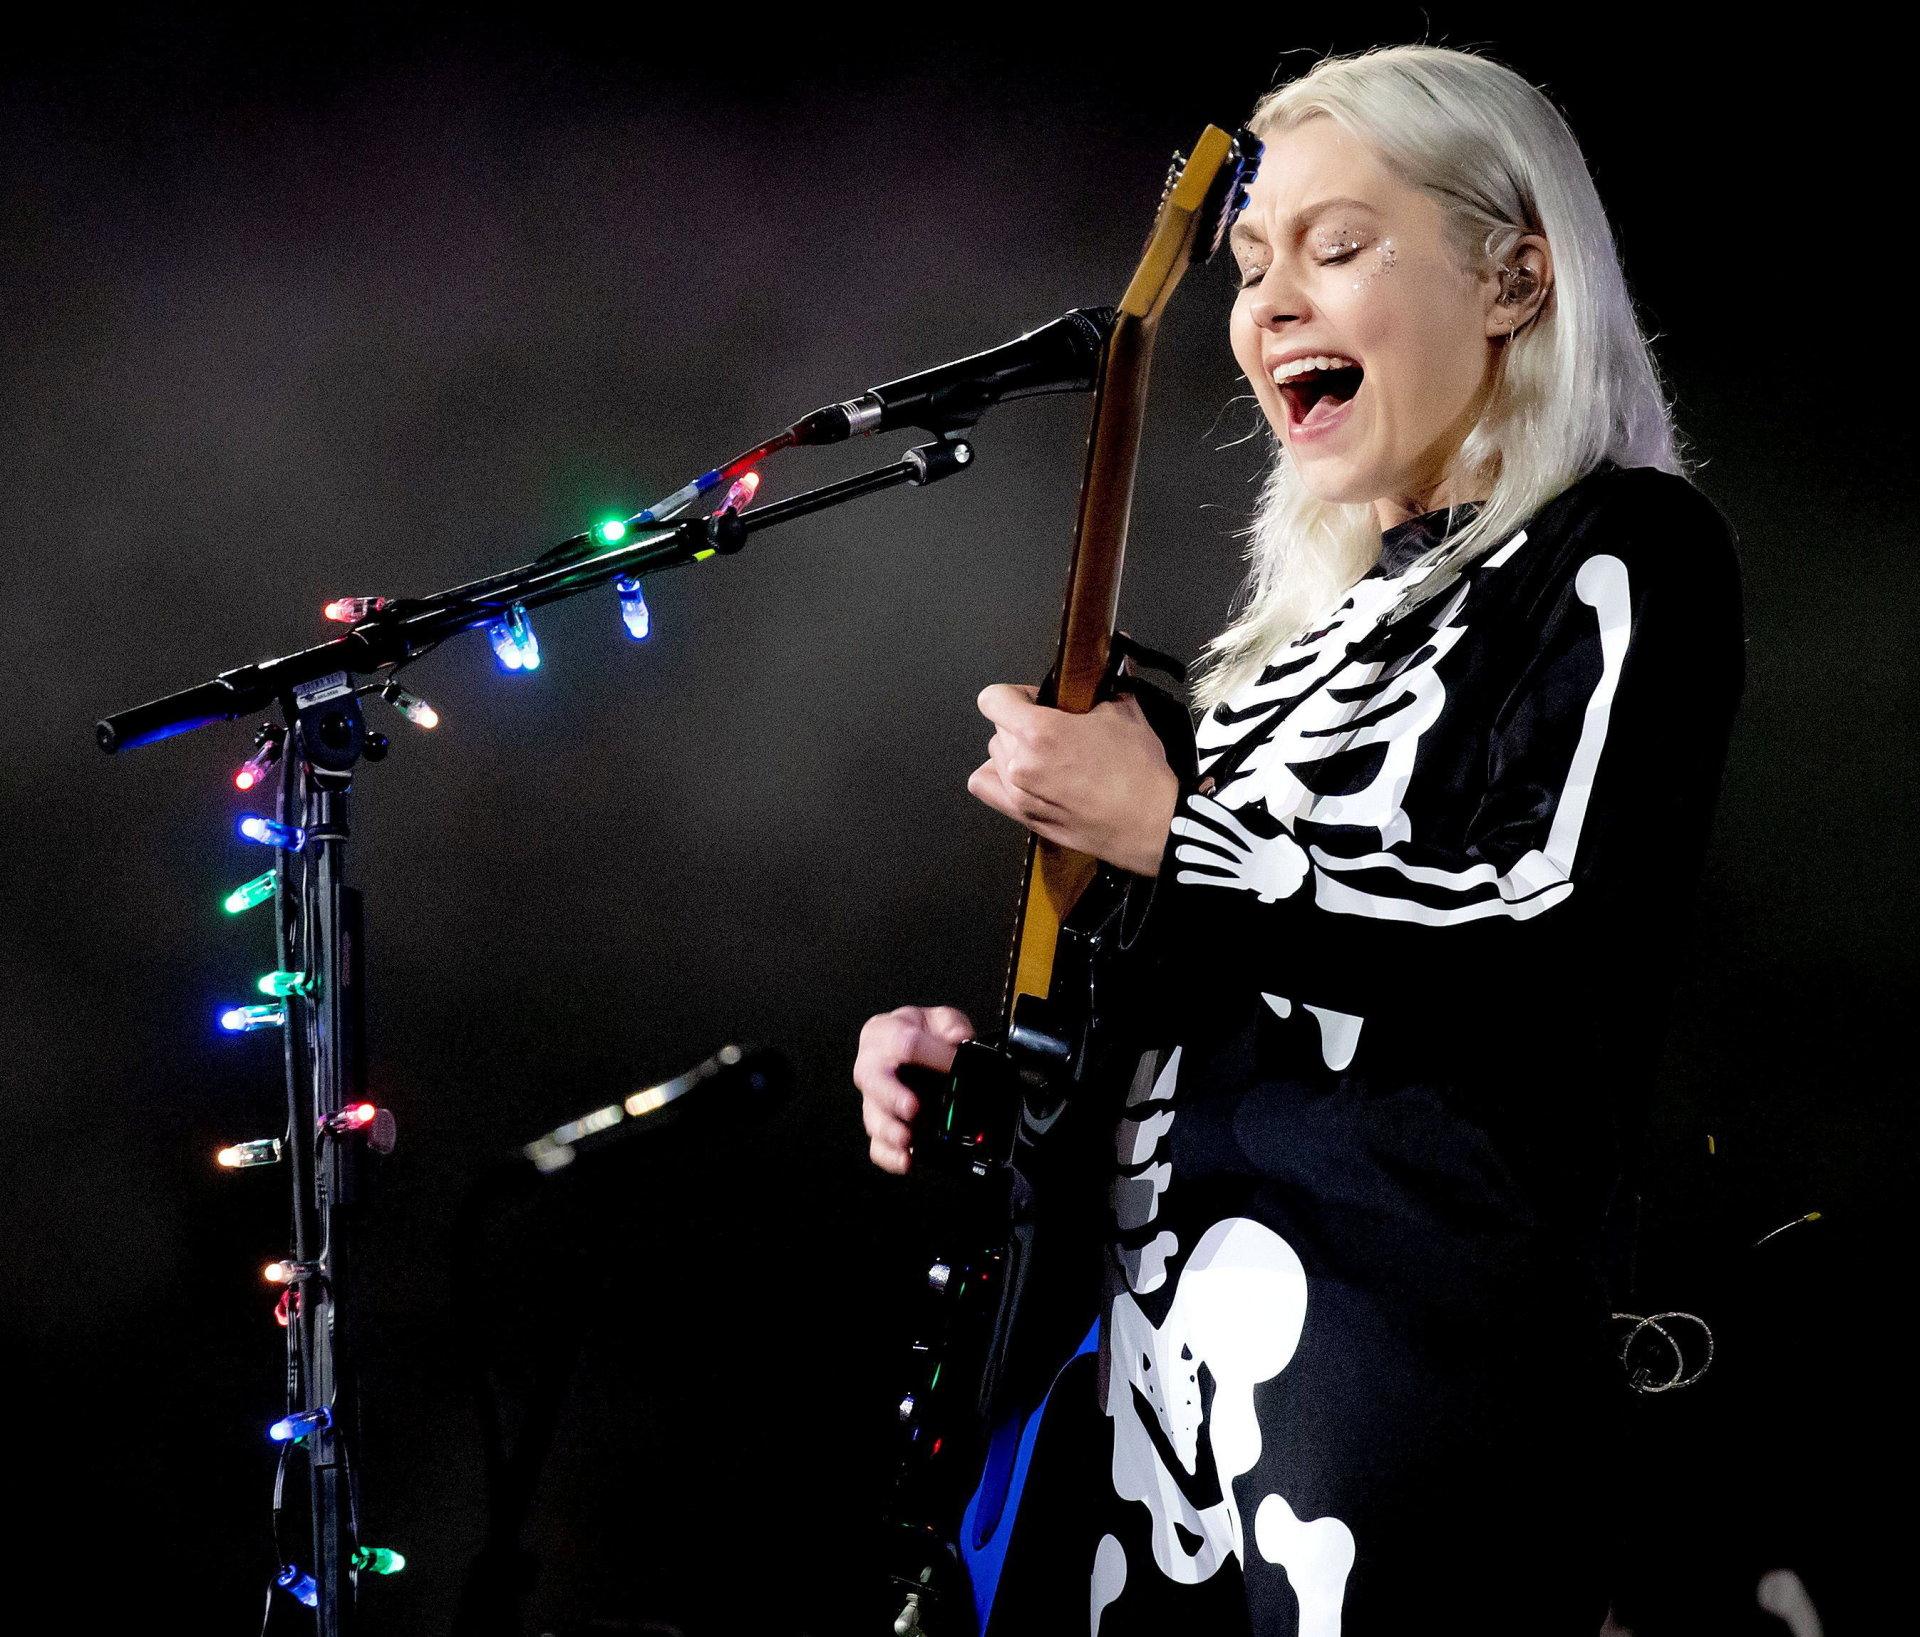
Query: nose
{"type": "Point", "coordinates": [1276, 301]}
{"type": "Point", "coordinates": [1279, 297]}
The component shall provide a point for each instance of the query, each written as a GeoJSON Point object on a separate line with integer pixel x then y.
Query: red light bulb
{"type": "Point", "coordinates": [266, 751]}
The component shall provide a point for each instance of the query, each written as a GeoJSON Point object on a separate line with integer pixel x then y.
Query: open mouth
{"type": "Point", "coordinates": [1316, 398]}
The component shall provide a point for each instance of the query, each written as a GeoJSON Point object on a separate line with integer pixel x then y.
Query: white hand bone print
{"type": "Point", "coordinates": [1231, 855]}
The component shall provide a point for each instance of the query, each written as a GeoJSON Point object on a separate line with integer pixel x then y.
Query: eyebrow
{"type": "Point", "coordinates": [1240, 233]}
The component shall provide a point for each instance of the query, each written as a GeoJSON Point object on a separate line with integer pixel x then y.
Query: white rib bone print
{"type": "Point", "coordinates": [1225, 852]}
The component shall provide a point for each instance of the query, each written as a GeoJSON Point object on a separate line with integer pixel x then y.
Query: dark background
{"type": "Point", "coordinates": [334, 304]}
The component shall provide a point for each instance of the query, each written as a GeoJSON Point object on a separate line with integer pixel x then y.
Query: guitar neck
{"type": "Point", "coordinates": [1201, 198]}
{"type": "Point", "coordinates": [1055, 878]}
{"type": "Point", "coordinates": [1092, 603]}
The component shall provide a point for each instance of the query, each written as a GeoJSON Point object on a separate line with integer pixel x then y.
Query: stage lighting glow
{"type": "Point", "coordinates": [245, 896]}
{"type": "Point", "coordinates": [633, 607]}
{"type": "Point", "coordinates": [245, 1019]}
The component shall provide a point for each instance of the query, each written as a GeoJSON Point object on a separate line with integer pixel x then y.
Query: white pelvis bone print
{"type": "Point", "coordinates": [1238, 1310]}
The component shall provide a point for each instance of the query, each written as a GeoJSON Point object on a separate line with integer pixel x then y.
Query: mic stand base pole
{"type": "Point", "coordinates": [320, 938]}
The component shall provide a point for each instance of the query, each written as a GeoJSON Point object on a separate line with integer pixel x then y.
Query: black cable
{"type": "Point", "coordinates": [279, 1551]}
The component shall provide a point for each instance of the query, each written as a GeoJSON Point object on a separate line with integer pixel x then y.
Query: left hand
{"type": "Point", "coordinates": [1097, 784]}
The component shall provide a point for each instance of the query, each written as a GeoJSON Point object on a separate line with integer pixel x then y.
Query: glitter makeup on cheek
{"type": "Point", "coordinates": [1385, 258]}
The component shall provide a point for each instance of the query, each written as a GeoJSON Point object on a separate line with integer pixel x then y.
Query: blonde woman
{"type": "Point", "coordinates": [1409, 918]}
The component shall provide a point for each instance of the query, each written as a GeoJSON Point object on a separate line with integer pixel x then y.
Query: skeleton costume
{"type": "Point", "coordinates": [1412, 932]}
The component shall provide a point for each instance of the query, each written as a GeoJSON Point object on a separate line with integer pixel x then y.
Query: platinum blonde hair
{"type": "Point", "coordinates": [1576, 385]}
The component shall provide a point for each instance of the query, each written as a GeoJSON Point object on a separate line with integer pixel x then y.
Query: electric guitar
{"type": "Point", "coordinates": [1023, 1110]}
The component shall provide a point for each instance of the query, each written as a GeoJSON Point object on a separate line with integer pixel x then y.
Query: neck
{"type": "Point", "coordinates": [1397, 509]}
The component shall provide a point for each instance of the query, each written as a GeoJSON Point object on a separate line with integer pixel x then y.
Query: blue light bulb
{"type": "Point", "coordinates": [293, 1580]}
{"type": "Point", "coordinates": [633, 607]}
{"type": "Point", "coordinates": [245, 1019]}
{"type": "Point", "coordinates": [266, 832]}
{"type": "Point", "coordinates": [292, 1428]}
{"type": "Point", "coordinates": [504, 647]}
{"type": "Point", "coordinates": [514, 642]}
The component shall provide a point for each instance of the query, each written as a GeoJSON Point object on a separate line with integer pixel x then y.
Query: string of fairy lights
{"type": "Point", "coordinates": [516, 649]}
{"type": "Point", "coordinates": [283, 988]}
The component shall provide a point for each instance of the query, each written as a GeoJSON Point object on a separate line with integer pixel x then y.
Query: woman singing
{"type": "Point", "coordinates": [1410, 922]}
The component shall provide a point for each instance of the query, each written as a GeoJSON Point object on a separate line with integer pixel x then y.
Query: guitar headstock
{"type": "Point", "coordinates": [1202, 196]}
{"type": "Point", "coordinates": [1228, 195]}
{"type": "Point", "coordinates": [1226, 191]}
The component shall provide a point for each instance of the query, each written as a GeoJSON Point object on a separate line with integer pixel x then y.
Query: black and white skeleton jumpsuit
{"type": "Point", "coordinates": [1413, 929]}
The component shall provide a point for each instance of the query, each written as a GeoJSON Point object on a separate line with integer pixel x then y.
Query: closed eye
{"type": "Point", "coordinates": [1254, 275]}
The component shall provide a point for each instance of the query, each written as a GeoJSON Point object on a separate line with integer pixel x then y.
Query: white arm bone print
{"type": "Point", "coordinates": [1244, 837]}
{"type": "Point", "coordinates": [1543, 876]}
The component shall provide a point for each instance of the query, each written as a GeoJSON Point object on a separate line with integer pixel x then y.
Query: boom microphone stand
{"type": "Point", "coordinates": [318, 930]}
{"type": "Point", "coordinates": [318, 934]}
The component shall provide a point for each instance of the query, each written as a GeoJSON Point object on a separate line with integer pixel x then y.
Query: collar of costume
{"type": "Point", "coordinates": [1404, 542]}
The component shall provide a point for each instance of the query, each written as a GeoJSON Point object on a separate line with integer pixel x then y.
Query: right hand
{"type": "Point", "coordinates": [926, 1035]}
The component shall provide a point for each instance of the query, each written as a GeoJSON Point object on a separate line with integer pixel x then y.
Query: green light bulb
{"type": "Point", "coordinates": [283, 983]}
{"type": "Point", "coordinates": [256, 891]}
{"type": "Point", "coordinates": [611, 532]}
{"type": "Point", "coordinates": [377, 1560]}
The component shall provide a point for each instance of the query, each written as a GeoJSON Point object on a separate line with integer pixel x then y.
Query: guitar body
{"type": "Point", "coordinates": [1011, 1303]}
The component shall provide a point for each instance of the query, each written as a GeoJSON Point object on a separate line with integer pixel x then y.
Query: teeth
{"type": "Point", "coordinates": [1296, 367]}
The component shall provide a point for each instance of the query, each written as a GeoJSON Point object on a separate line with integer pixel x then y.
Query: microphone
{"type": "Point", "coordinates": [735, 1082]}
{"type": "Point", "coordinates": [1063, 356]}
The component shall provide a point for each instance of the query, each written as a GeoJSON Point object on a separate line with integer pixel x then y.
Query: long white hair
{"type": "Point", "coordinates": [1577, 384]}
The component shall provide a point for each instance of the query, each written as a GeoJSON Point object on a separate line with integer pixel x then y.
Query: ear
{"type": "Point", "coordinates": [1517, 289]}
